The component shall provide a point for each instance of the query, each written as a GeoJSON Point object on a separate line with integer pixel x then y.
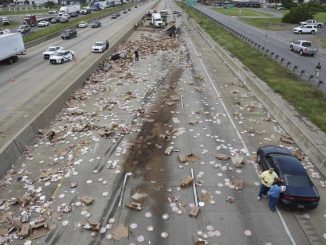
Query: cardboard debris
{"type": "Point", "coordinates": [139, 196]}
{"type": "Point", "coordinates": [87, 200]}
{"type": "Point", "coordinates": [74, 184]}
{"type": "Point", "coordinates": [182, 158]}
{"type": "Point", "coordinates": [168, 150]}
{"type": "Point", "coordinates": [44, 173]}
{"type": "Point", "coordinates": [206, 197]}
{"type": "Point", "coordinates": [194, 211]}
{"type": "Point", "coordinates": [192, 157]}
{"type": "Point", "coordinates": [39, 230]}
{"type": "Point", "coordinates": [238, 184]}
{"type": "Point", "coordinates": [8, 216]}
{"type": "Point", "coordinates": [298, 154]}
{"type": "Point", "coordinates": [194, 122]}
{"type": "Point", "coordinates": [24, 231]}
{"type": "Point", "coordinates": [134, 205]}
{"type": "Point", "coordinates": [286, 139]}
{"type": "Point", "coordinates": [222, 157]}
{"type": "Point", "coordinates": [3, 231]}
{"type": "Point", "coordinates": [186, 182]}
{"type": "Point", "coordinates": [91, 225]}
{"type": "Point", "coordinates": [120, 232]}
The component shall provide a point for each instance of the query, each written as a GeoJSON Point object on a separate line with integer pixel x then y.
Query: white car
{"type": "Point", "coordinates": [43, 23]}
{"type": "Point", "coordinates": [305, 29]}
{"type": "Point", "coordinates": [61, 56]}
{"type": "Point", "coordinates": [100, 47]}
{"type": "Point", "coordinates": [67, 16]}
{"type": "Point", "coordinates": [82, 24]}
{"type": "Point", "coordinates": [50, 51]}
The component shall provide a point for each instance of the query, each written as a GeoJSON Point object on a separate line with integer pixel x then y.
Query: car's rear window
{"type": "Point", "coordinates": [306, 44]}
{"type": "Point", "coordinates": [297, 180]}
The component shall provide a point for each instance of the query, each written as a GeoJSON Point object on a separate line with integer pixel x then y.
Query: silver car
{"type": "Point", "coordinates": [303, 47]}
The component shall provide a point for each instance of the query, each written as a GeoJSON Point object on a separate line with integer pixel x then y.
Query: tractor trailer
{"type": "Point", "coordinates": [11, 45]}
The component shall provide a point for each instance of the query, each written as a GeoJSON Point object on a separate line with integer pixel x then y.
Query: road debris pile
{"type": "Point", "coordinates": [103, 112]}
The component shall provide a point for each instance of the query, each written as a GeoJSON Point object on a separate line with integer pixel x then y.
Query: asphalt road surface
{"type": "Point", "coordinates": [181, 94]}
{"type": "Point", "coordinates": [32, 75]}
{"type": "Point", "coordinates": [273, 42]}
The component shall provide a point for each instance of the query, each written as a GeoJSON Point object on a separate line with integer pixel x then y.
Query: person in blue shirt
{"type": "Point", "coordinates": [273, 195]}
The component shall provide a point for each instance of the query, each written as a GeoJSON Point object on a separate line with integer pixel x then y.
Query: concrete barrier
{"type": "Point", "coordinates": [306, 135]}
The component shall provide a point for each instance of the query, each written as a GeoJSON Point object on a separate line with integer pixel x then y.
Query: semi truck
{"type": "Point", "coordinates": [11, 45]}
{"type": "Point", "coordinates": [157, 20]}
{"type": "Point", "coordinates": [69, 9]}
{"type": "Point", "coordinates": [30, 20]}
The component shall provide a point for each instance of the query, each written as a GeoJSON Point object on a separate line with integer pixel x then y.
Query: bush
{"type": "Point", "coordinates": [288, 4]}
{"type": "Point", "coordinates": [297, 14]}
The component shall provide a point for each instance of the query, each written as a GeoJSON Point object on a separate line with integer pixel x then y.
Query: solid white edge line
{"type": "Point", "coordinates": [238, 133]}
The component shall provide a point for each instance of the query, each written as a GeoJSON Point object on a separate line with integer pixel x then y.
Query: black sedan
{"type": "Point", "coordinates": [96, 24]}
{"type": "Point", "coordinates": [300, 191]}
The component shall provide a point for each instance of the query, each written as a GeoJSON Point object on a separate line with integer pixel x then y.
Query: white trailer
{"type": "Point", "coordinates": [11, 45]}
{"type": "Point", "coordinates": [75, 8]}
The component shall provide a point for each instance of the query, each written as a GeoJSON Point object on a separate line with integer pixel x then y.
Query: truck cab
{"type": "Point", "coordinates": [157, 20]}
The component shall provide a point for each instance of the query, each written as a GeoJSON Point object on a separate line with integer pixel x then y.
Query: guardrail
{"type": "Point", "coordinates": [311, 78]}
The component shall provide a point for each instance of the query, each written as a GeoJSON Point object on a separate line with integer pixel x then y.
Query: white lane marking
{"type": "Point", "coordinates": [238, 133]}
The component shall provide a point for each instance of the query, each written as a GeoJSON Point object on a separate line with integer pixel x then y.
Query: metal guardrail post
{"type": "Point", "coordinates": [288, 63]}
{"type": "Point", "coordinates": [282, 59]}
{"type": "Point", "coordinates": [310, 77]}
{"type": "Point", "coordinates": [295, 67]}
{"type": "Point", "coordinates": [302, 72]}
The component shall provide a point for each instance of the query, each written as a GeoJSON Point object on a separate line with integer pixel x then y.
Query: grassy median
{"type": "Point", "coordinates": [309, 101]}
{"type": "Point", "coordinates": [73, 22]}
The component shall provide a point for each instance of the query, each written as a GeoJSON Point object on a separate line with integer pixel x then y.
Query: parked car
{"type": "Point", "coordinates": [305, 29]}
{"type": "Point", "coordinates": [62, 56]}
{"type": "Point", "coordinates": [5, 21]}
{"type": "Point", "coordinates": [100, 47]}
{"type": "Point", "coordinates": [96, 24]}
{"type": "Point", "coordinates": [312, 22]}
{"type": "Point", "coordinates": [43, 23]}
{"type": "Point", "coordinates": [52, 11]}
{"type": "Point", "coordinates": [303, 47]}
{"type": "Point", "coordinates": [82, 24]}
{"type": "Point", "coordinates": [300, 192]}
{"type": "Point", "coordinates": [50, 51]}
{"type": "Point", "coordinates": [69, 33]}
{"type": "Point", "coordinates": [114, 16]}
{"type": "Point", "coordinates": [23, 29]}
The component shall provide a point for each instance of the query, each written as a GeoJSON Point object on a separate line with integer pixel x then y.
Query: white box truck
{"type": "Point", "coordinates": [157, 20]}
{"type": "Point", "coordinates": [69, 9]}
{"type": "Point", "coordinates": [11, 45]}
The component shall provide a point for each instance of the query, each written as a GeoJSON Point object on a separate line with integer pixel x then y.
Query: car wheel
{"type": "Point", "coordinates": [300, 32]}
{"type": "Point", "coordinates": [258, 158]}
{"type": "Point", "coordinates": [312, 32]}
{"type": "Point", "coordinates": [62, 61]}
{"type": "Point", "coordinates": [301, 52]}
{"type": "Point", "coordinates": [291, 48]}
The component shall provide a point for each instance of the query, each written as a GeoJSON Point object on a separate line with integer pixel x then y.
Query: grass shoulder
{"type": "Point", "coordinates": [240, 12]}
{"type": "Point", "coordinates": [307, 100]}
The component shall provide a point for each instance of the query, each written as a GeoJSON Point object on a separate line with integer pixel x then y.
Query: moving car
{"type": "Point", "coordinates": [61, 56]}
{"type": "Point", "coordinates": [69, 33]}
{"type": "Point", "coordinates": [100, 47]}
{"type": "Point", "coordinates": [43, 23]}
{"type": "Point", "coordinates": [305, 29]}
{"type": "Point", "coordinates": [50, 51]}
{"type": "Point", "coordinates": [96, 24]}
{"type": "Point", "coordinates": [114, 16]}
{"type": "Point", "coordinates": [55, 20]}
{"type": "Point", "coordinates": [67, 16]}
{"type": "Point", "coordinates": [300, 192]}
{"type": "Point", "coordinates": [74, 14]}
{"type": "Point", "coordinates": [63, 19]}
{"type": "Point", "coordinates": [5, 21]}
{"type": "Point", "coordinates": [312, 22]}
{"type": "Point", "coordinates": [303, 47]}
{"type": "Point", "coordinates": [23, 29]}
{"type": "Point", "coordinates": [125, 11]}
{"type": "Point", "coordinates": [85, 11]}
{"type": "Point", "coordinates": [82, 24]}
{"type": "Point", "coordinates": [52, 11]}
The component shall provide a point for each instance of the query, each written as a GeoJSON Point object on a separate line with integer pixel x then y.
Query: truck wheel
{"type": "Point", "coordinates": [291, 48]}
{"type": "Point", "coordinates": [10, 61]}
{"type": "Point", "coordinates": [312, 32]}
{"type": "Point", "coordinates": [15, 59]}
{"type": "Point", "coordinates": [301, 52]}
